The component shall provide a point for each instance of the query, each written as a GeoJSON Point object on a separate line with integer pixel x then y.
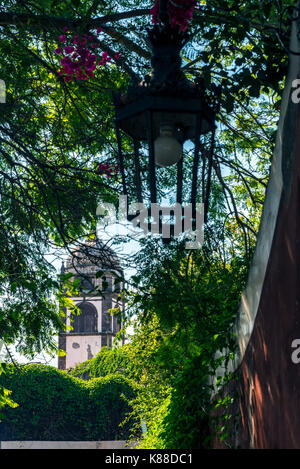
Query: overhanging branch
{"type": "Point", "coordinates": [46, 21]}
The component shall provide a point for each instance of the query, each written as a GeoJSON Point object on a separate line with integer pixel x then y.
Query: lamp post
{"type": "Point", "coordinates": [164, 111]}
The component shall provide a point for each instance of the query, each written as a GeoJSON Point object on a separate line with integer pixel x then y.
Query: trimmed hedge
{"type": "Point", "coordinates": [56, 406]}
{"type": "Point", "coordinates": [107, 361]}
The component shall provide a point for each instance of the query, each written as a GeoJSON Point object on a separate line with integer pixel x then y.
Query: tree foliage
{"type": "Point", "coordinates": [54, 134]}
{"type": "Point", "coordinates": [184, 306]}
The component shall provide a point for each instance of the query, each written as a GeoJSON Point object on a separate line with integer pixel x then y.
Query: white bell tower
{"type": "Point", "coordinates": [94, 327]}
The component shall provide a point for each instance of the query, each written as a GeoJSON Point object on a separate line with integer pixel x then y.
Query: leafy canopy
{"type": "Point", "coordinates": [54, 134]}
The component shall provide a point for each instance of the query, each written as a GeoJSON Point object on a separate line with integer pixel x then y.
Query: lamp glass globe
{"type": "Point", "coordinates": [167, 149]}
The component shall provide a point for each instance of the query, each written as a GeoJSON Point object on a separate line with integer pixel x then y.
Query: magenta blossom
{"type": "Point", "coordinates": [68, 49]}
{"type": "Point", "coordinates": [107, 169]}
{"type": "Point", "coordinates": [80, 56]}
{"type": "Point", "coordinates": [180, 13]}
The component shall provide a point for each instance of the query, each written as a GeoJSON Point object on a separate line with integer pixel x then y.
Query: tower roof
{"type": "Point", "coordinates": [93, 255]}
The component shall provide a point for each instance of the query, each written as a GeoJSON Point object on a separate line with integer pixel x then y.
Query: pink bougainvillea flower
{"type": "Point", "coordinates": [68, 49]}
{"type": "Point", "coordinates": [79, 57]}
{"type": "Point", "coordinates": [117, 56]}
{"type": "Point", "coordinates": [180, 13]}
{"type": "Point", "coordinates": [106, 169]}
{"type": "Point", "coordinates": [91, 67]}
{"type": "Point", "coordinates": [99, 30]}
{"type": "Point", "coordinates": [154, 12]}
{"type": "Point", "coordinates": [65, 60]}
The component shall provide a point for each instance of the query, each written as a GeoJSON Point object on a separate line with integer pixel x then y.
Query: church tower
{"type": "Point", "coordinates": [94, 327]}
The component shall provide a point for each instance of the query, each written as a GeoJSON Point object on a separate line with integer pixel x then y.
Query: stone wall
{"type": "Point", "coordinates": [119, 444]}
{"type": "Point", "coordinates": [267, 380]}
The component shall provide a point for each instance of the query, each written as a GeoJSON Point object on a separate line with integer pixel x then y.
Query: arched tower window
{"type": "Point", "coordinates": [87, 320]}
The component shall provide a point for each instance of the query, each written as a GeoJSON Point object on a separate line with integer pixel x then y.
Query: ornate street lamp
{"type": "Point", "coordinates": [164, 111]}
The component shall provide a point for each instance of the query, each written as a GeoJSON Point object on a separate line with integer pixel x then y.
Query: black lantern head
{"type": "Point", "coordinates": [170, 97]}
{"type": "Point", "coordinates": [165, 110]}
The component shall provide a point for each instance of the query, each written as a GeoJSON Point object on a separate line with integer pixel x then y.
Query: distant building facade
{"type": "Point", "coordinates": [94, 327]}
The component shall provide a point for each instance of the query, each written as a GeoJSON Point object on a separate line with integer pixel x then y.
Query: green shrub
{"type": "Point", "coordinates": [107, 361]}
{"type": "Point", "coordinates": [53, 405]}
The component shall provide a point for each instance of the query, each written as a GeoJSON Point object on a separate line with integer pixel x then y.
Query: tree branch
{"type": "Point", "coordinates": [45, 21]}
